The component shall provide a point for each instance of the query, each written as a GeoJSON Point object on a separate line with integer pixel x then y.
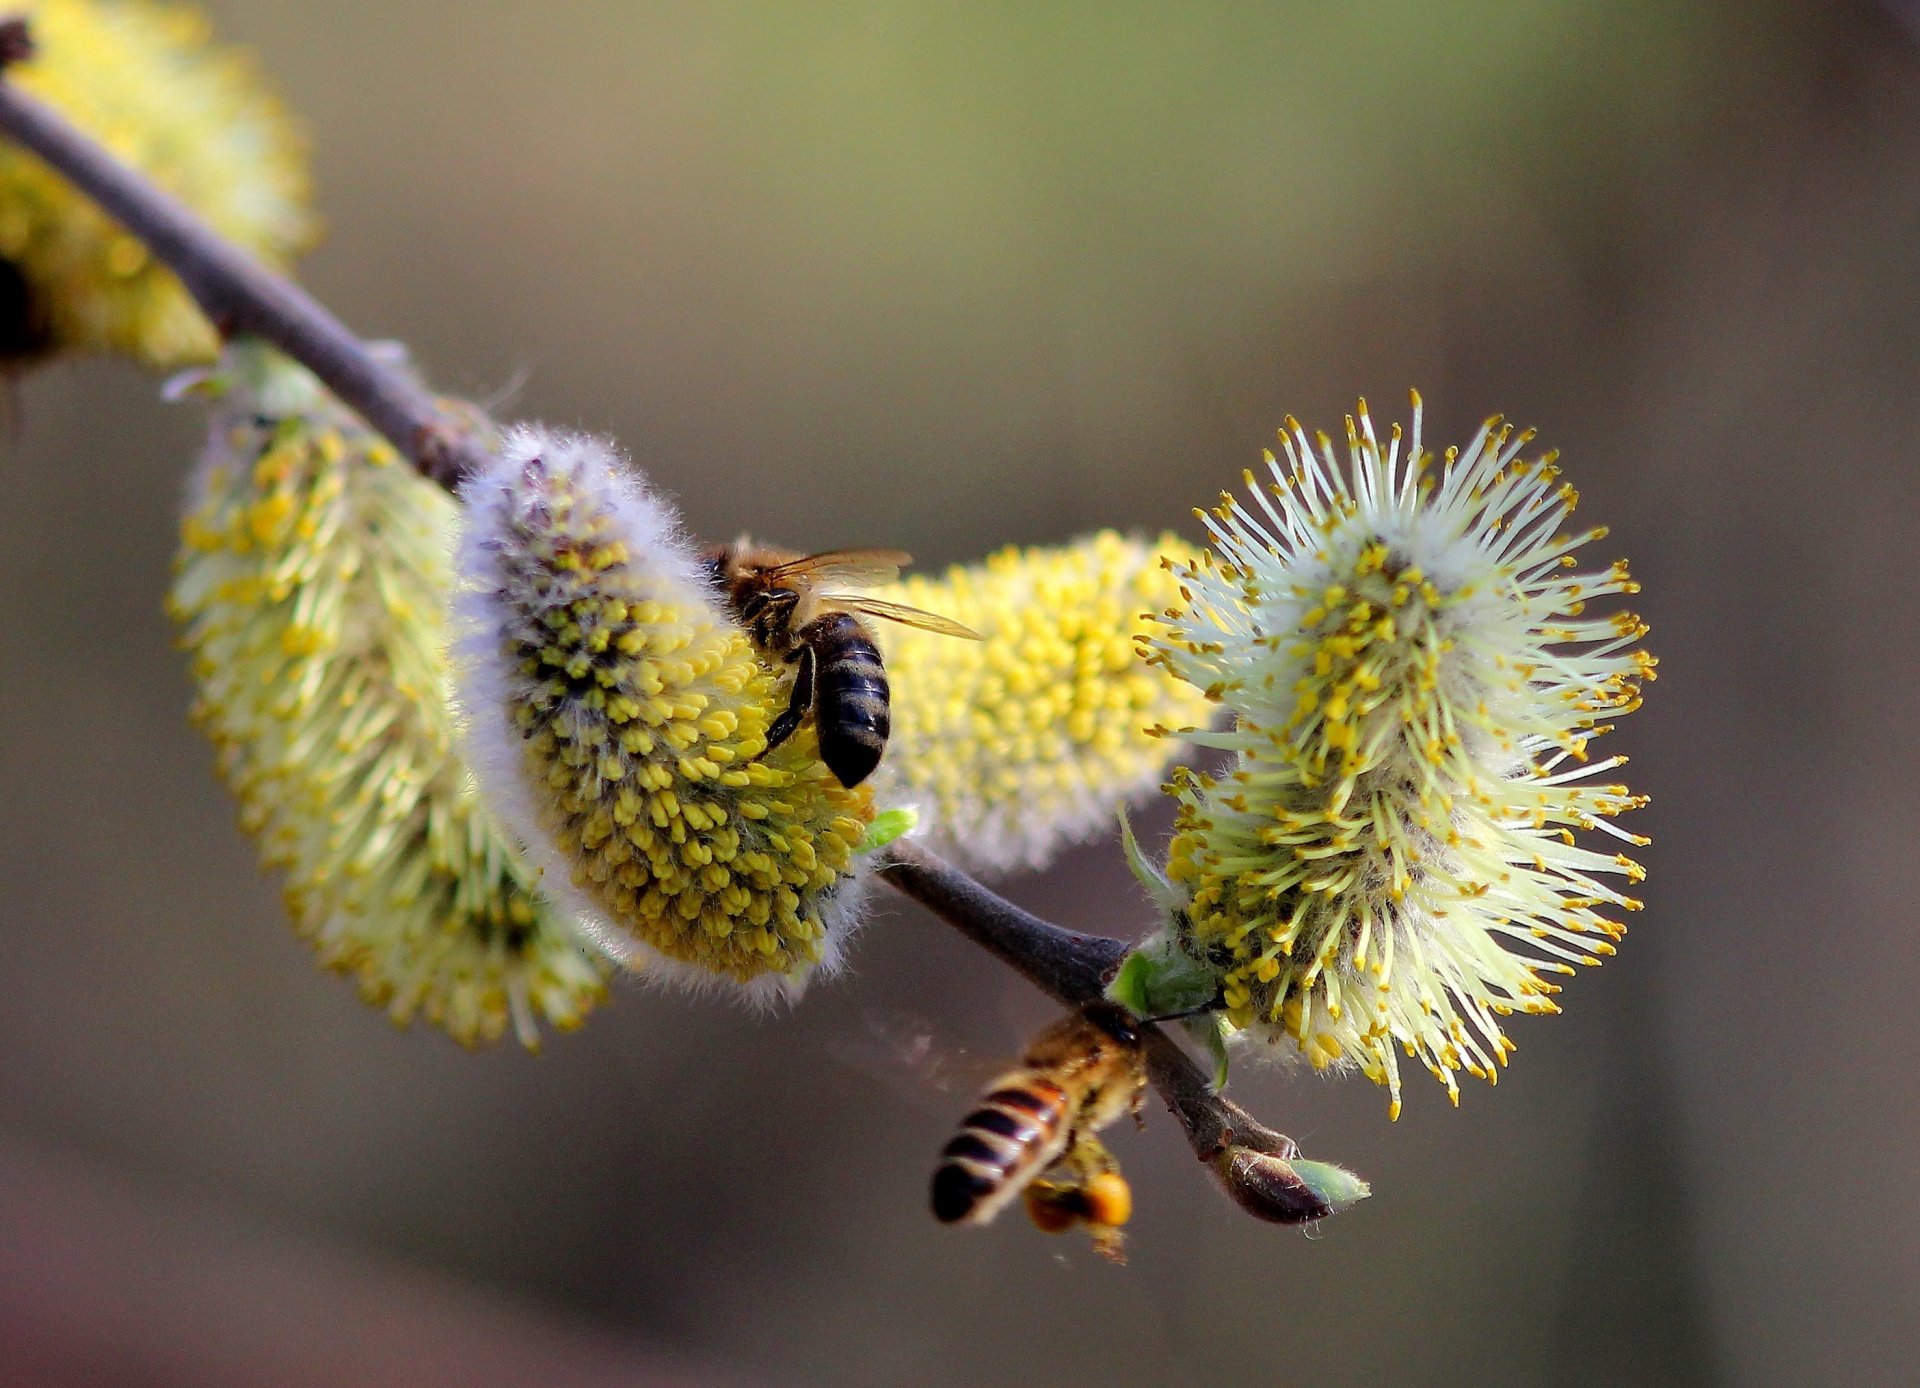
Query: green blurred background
{"type": "Point", "coordinates": [944, 276]}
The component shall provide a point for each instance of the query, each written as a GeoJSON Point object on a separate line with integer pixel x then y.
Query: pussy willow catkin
{"type": "Point", "coordinates": [619, 719]}
{"type": "Point", "coordinates": [311, 590]}
{"type": "Point", "coordinates": [1021, 744]}
{"type": "Point", "coordinates": [1403, 645]}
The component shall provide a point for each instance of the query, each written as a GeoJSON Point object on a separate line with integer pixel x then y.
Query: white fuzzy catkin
{"type": "Point", "coordinates": [1389, 863]}
{"type": "Point", "coordinates": [618, 720]}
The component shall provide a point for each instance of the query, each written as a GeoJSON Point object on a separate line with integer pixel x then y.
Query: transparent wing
{"type": "Point", "coordinates": [845, 566]}
{"type": "Point", "coordinates": [906, 616]}
{"type": "Point", "coordinates": [901, 1051]}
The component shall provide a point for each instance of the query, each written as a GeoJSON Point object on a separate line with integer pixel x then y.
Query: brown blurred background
{"type": "Point", "coordinates": [945, 276]}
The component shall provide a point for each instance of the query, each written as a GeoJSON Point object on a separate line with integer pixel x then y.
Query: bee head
{"type": "Point", "coordinates": [736, 568]}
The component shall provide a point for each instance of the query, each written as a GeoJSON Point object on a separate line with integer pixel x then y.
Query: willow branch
{"type": "Point", "coordinates": [239, 295]}
{"type": "Point", "coordinates": [242, 297]}
{"type": "Point", "coordinates": [1070, 967]}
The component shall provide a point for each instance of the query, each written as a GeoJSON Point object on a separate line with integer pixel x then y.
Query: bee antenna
{"type": "Point", "coordinates": [1212, 1004]}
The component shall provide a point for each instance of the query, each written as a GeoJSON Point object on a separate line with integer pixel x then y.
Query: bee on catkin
{"type": "Point", "coordinates": [839, 678]}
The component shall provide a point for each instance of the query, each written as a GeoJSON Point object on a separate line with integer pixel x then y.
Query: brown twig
{"type": "Point", "coordinates": [242, 297]}
{"type": "Point", "coordinates": [1068, 966]}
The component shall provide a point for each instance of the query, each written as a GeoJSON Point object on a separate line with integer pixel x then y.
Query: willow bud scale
{"type": "Point", "coordinates": [311, 591]}
{"type": "Point", "coordinates": [1390, 863]}
{"type": "Point", "coordinates": [1022, 743]}
{"type": "Point", "coordinates": [620, 719]}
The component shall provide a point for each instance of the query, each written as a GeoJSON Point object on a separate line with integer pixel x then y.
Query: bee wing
{"type": "Point", "coordinates": [902, 1052]}
{"type": "Point", "coordinates": [906, 616]}
{"type": "Point", "coordinates": [845, 566]}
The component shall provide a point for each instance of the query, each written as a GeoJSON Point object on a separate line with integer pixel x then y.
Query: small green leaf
{"type": "Point", "coordinates": [1210, 1031]}
{"type": "Point", "coordinates": [1160, 979]}
{"type": "Point", "coordinates": [887, 826]}
{"type": "Point", "coordinates": [1129, 986]}
{"type": "Point", "coordinates": [200, 382]}
{"type": "Point", "coordinates": [1335, 1186]}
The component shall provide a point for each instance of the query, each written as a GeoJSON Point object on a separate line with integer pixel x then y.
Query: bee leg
{"type": "Point", "coordinates": [798, 702]}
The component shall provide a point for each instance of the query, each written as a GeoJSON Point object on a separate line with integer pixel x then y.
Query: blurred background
{"type": "Point", "coordinates": [945, 276]}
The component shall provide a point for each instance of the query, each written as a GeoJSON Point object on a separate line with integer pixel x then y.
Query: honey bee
{"type": "Point", "coordinates": [777, 597]}
{"type": "Point", "coordinates": [1033, 1131]}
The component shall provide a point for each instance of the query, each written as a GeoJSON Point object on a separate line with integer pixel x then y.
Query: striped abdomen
{"type": "Point", "coordinates": [1019, 1129]}
{"type": "Point", "coordinates": [850, 710]}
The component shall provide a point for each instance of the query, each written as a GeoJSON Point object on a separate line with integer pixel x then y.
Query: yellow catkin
{"type": "Point", "coordinates": [311, 592]}
{"type": "Point", "coordinates": [1389, 864]}
{"type": "Point", "coordinates": [619, 719]}
{"type": "Point", "coordinates": [144, 80]}
{"type": "Point", "coordinates": [1026, 741]}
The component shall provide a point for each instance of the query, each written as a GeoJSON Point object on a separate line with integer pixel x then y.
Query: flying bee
{"type": "Point", "coordinates": [1033, 1131]}
{"type": "Point", "coordinates": [778, 597]}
